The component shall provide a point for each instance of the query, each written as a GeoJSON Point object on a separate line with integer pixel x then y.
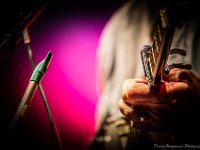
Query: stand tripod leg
{"type": "Point", "coordinates": [23, 107]}
{"type": "Point", "coordinates": [51, 118]}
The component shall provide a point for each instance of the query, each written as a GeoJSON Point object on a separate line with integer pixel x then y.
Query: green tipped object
{"type": "Point", "coordinates": [41, 68]}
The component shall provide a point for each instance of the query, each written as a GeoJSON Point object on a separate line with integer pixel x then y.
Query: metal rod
{"type": "Point", "coordinates": [50, 115]}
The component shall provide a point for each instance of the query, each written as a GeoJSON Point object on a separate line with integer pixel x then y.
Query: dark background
{"type": "Point", "coordinates": [12, 13]}
{"type": "Point", "coordinates": [30, 133]}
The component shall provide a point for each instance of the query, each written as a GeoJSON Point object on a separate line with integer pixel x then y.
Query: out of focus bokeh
{"type": "Point", "coordinates": [70, 30]}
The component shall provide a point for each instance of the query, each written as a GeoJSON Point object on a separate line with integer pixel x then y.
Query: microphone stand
{"type": "Point", "coordinates": [10, 41]}
{"type": "Point", "coordinates": [30, 90]}
{"type": "Point", "coordinates": [26, 39]}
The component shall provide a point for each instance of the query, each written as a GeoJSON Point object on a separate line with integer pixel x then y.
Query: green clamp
{"type": "Point", "coordinates": [41, 68]}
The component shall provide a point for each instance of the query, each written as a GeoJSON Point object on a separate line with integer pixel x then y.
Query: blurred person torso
{"type": "Point", "coordinates": [118, 58]}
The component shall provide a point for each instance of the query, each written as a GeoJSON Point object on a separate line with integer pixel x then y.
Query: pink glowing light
{"type": "Point", "coordinates": [70, 81]}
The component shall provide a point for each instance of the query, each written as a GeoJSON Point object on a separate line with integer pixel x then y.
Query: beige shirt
{"type": "Point", "coordinates": [118, 54]}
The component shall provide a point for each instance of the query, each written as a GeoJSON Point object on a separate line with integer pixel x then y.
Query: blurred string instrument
{"type": "Point", "coordinates": [154, 58]}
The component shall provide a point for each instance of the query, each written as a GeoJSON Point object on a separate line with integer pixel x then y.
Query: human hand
{"type": "Point", "coordinates": [169, 107]}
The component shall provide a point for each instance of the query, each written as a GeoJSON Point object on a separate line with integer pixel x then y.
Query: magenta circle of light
{"type": "Point", "coordinates": [70, 81]}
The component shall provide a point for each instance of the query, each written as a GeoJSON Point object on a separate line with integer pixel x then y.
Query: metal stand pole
{"type": "Point", "coordinates": [51, 118]}
{"type": "Point", "coordinates": [30, 90]}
